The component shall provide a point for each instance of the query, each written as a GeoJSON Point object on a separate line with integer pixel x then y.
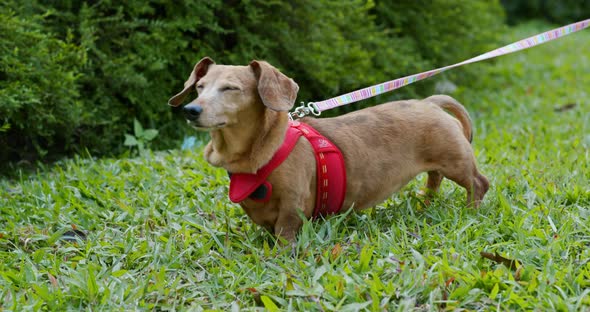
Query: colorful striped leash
{"type": "Point", "coordinates": [316, 108]}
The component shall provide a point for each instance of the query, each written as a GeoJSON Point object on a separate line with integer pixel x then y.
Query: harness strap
{"type": "Point", "coordinates": [242, 185]}
{"type": "Point", "coordinates": [330, 172]}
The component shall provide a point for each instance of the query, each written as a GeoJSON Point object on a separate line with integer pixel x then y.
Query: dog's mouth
{"type": "Point", "coordinates": [200, 127]}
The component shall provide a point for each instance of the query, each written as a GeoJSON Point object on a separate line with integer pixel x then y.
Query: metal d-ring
{"type": "Point", "coordinates": [304, 110]}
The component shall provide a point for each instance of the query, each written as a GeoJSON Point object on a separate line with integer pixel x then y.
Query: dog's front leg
{"type": "Point", "coordinates": [287, 225]}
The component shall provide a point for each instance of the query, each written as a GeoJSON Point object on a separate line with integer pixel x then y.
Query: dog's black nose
{"type": "Point", "coordinates": [192, 112]}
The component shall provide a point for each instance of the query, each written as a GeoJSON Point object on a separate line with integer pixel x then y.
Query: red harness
{"type": "Point", "coordinates": [331, 172]}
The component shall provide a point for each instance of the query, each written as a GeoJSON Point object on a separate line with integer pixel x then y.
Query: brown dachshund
{"type": "Point", "coordinates": [245, 110]}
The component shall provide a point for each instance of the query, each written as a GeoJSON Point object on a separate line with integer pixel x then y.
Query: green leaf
{"type": "Point", "coordinates": [42, 291]}
{"type": "Point", "coordinates": [137, 128]}
{"type": "Point", "coordinates": [495, 291]}
{"type": "Point", "coordinates": [269, 304]}
{"type": "Point", "coordinates": [553, 227]}
{"type": "Point", "coordinates": [119, 273]}
{"type": "Point", "coordinates": [150, 134]}
{"type": "Point", "coordinates": [355, 306]}
{"type": "Point", "coordinates": [92, 284]}
{"type": "Point", "coordinates": [5, 127]}
{"type": "Point", "coordinates": [365, 258]}
{"type": "Point", "coordinates": [130, 140]}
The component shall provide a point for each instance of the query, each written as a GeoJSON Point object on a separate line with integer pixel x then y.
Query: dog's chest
{"type": "Point", "coordinates": [330, 173]}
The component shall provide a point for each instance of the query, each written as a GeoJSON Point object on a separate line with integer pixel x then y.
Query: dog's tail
{"type": "Point", "coordinates": [450, 104]}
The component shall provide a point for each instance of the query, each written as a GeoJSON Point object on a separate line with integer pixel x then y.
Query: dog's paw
{"type": "Point", "coordinates": [425, 195]}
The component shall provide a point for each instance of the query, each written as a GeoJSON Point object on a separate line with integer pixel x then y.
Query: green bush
{"type": "Point", "coordinates": [105, 63]}
{"type": "Point", "coordinates": [328, 47]}
{"type": "Point", "coordinates": [39, 99]}
{"type": "Point", "coordinates": [137, 57]}
{"type": "Point", "coordinates": [443, 32]}
{"type": "Point", "coordinates": [333, 47]}
{"type": "Point", "coordinates": [80, 73]}
{"type": "Point", "coordinates": [561, 12]}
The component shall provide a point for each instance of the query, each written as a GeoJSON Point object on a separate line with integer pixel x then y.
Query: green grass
{"type": "Point", "coordinates": [163, 235]}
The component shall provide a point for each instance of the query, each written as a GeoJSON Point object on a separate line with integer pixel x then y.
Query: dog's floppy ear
{"type": "Point", "coordinates": [277, 91]}
{"type": "Point", "coordinates": [198, 72]}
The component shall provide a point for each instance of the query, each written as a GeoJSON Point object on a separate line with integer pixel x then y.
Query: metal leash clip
{"type": "Point", "coordinates": [304, 110]}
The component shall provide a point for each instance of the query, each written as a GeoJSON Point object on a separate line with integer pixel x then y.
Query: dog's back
{"type": "Point", "coordinates": [387, 145]}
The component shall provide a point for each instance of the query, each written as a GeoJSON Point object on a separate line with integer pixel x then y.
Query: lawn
{"type": "Point", "coordinates": [161, 233]}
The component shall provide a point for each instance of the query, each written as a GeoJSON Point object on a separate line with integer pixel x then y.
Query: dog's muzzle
{"type": "Point", "coordinates": [192, 112]}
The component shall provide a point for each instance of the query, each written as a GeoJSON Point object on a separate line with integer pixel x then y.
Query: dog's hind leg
{"type": "Point", "coordinates": [432, 185]}
{"type": "Point", "coordinates": [474, 182]}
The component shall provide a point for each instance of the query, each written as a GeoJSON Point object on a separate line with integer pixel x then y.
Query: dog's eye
{"type": "Point", "coordinates": [229, 88]}
{"type": "Point", "coordinates": [200, 87]}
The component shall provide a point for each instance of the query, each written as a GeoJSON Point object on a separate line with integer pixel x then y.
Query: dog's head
{"type": "Point", "coordinates": [228, 95]}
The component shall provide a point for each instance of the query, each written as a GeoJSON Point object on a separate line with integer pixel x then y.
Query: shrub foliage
{"type": "Point", "coordinates": [561, 12]}
{"type": "Point", "coordinates": [75, 74]}
{"type": "Point", "coordinates": [39, 92]}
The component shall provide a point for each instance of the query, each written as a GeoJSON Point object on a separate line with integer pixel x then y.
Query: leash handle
{"type": "Point", "coordinates": [316, 108]}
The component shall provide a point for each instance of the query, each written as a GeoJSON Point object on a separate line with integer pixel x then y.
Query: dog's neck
{"type": "Point", "coordinates": [245, 149]}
